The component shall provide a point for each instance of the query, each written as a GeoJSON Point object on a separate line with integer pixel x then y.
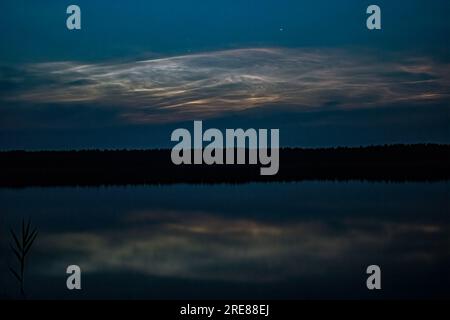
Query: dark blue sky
{"type": "Point", "coordinates": [310, 68]}
{"type": "Point", "coordinates": [120, 29]}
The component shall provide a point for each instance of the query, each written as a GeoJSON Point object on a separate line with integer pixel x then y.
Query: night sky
{"type": "Point", "coordinates": [138, 69]}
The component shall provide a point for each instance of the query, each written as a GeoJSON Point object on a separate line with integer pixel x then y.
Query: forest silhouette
{"type": "Point", "coordinates": [419, 162]}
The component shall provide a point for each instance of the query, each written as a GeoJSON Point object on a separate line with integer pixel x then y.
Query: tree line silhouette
{"type": "Point", "coordinates": [419, 162]}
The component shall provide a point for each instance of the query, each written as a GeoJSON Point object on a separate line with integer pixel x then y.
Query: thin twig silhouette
{"type": "Point", "coordinates": [21, 247]}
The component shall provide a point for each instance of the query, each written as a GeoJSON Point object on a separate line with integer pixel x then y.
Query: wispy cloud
{"type": "Point", "coordinates": [215, 83]}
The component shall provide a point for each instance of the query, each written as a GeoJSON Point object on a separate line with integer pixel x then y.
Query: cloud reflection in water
{"type": "Point", "coordinates": [208, 247]}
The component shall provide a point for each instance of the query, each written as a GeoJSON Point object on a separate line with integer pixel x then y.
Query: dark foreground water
{"type": "Point", "coordinates": [299, 240]}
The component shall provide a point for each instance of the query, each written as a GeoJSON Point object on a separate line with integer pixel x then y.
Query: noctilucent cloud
{"type": "Point", "coordinates": [137, 70]}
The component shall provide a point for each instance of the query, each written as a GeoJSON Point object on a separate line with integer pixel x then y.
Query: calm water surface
{"type": "Point", "coordinates": [296, 240]}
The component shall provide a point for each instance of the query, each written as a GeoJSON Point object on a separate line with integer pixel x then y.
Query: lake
{"type": "Point", "coordinates": [257, 241]}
